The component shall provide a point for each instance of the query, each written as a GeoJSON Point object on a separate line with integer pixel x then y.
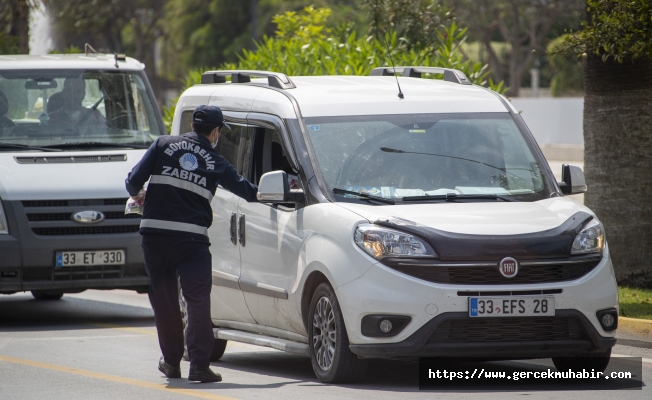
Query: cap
{"type": "Point", "coordinates": [209, 115]}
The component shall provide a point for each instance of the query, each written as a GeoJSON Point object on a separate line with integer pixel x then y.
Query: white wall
{"type": "Point", "coordinates": [553, 120]}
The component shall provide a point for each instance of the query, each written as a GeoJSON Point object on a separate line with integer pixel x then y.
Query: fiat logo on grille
{"type": "Point", "coordinates": [508, 267]}
{"type": "Point", "coordinates": [88, 217]}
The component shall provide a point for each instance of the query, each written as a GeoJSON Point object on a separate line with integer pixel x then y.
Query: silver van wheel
{"type": "Point", "coordinates": [331, 359]}
{"type": "Point", "coordinates": [325, 335]}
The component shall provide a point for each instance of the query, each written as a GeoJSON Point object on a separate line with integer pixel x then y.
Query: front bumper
{"type": "Point", "coordinates": [420, 343]}
{"type": "Point", "coordinates": [384, 291]}
{"type": "Point", "coordinates": [27, 260]}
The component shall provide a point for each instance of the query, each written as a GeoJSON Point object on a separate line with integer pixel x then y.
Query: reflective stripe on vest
{"type": "Point", "coordinates": [181, 184]}
{"type": "Point", "coordinates": [174, 226]}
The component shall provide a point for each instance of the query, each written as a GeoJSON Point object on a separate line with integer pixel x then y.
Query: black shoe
{"type": "Point", "coordinates": [203, 374]}
{"type": "Point", "coordinates": [168, 370]}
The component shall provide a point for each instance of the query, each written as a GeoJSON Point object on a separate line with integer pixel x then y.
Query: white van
{"type": "Point", "coordinates": [426, 224]}
{"type": "Point", "coordinates": [71, 128]}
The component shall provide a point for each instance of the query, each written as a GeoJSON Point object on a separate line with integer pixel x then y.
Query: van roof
{"type": "Point", "coordinates": [346, 95]}
{"type": "Point", "coordinates": [372, 95]}
{"type": "Point", "coordinates": [69, 61]}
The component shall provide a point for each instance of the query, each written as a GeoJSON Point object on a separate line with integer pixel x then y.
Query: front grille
{"type": "Point", "coordinates": [54, 217]}
{"type": "Point", "coordinates": [508, 330]}
{"type": "Point", "coordinates": [74, 203]}
{"type": "Point", "coordinates": [549, 271]}
{"type": "Point", "coordinates": [87, 272]}
{"type": "Point", "coordinates": [85, 230]}
{"type": "Point", "coordinates": [70, 159]}
{"type": "Point", "coordinates": [68, 216]}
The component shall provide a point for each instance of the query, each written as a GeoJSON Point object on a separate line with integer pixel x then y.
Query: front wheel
{"type": "Point", "coordinates": [43, 295]}
{"type": "Point", "coordinates": [331, 358]}
{"type": "Point", "coordinates": [218, 349]}
{"type": "Point", "coordinates": [591, 361]}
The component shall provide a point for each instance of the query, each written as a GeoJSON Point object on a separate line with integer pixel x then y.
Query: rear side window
{"type": "Point", "coordinates": [186, 122]}
{"type": "Point", "coordinates": [229, 144]}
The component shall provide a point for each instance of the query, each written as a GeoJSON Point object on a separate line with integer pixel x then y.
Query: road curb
{"type": "Point", "coordinates": [637, 327]}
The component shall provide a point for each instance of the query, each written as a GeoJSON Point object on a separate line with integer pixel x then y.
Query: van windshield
{"type": "Point", "coordinates": [56, 108]}
{"type": "Point", "coordinates": [406, 156]}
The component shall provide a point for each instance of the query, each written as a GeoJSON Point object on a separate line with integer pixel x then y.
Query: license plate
{"type": "Point", "coordinates": [541, 306]}
{"type": "Point", "coordinates": [90, 257]}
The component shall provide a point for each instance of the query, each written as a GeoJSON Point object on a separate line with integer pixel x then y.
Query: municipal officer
{"type": "Point", "coordinates": [183, 172]}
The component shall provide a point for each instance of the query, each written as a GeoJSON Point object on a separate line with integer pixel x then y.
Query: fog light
{"type": "Point", "coordinates": [386, 326]}
{"type": "Point", "coordinates": [383, 325]}
{"type": "Point", "coordinates": [608, 319]}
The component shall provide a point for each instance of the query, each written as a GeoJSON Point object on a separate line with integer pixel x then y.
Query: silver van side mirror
{"type": "Point", "coordinates": [572, 180]}
{"type": "Point", "coordinates": [274, 188]}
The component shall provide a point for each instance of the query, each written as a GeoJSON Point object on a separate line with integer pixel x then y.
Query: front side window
{"type": "Point", "coordinates": [400, 156]}
{"type": "Point", "coordinates": [53, 108]}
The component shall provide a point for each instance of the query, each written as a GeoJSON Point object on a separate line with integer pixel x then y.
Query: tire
{"type": "Point", "coordinates": [331, 358]}
{"type": "Point", "coordinates": [183, 307]}
{"type": "Point", "coordinates": [590, 361]}
{"type": "Point", "coordinates": [218, 349]}
{"type": "Point", "coordinates": [43, 295]}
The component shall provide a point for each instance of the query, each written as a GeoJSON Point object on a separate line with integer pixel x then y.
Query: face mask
{"type": "Point", "coordinates": [214, 145]}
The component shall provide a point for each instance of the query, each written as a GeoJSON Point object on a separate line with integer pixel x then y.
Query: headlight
{"type": "Point", "coordinates": [590, 239]}
{"type": "Point", "coordinates": [4, 229]}
{"type": "Point", "coordinates": [381, 243]}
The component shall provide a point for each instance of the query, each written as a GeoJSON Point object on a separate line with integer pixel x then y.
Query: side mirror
{"type": "Point", "coordinates": [572, 180]}
{"type": "Point", "coordinates": [274, 188]}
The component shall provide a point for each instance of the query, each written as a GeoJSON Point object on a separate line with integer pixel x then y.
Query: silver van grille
{"type": "Point", "coordinates": [54, 217]}
{"type": "Point", "coordinates": [70, 159]}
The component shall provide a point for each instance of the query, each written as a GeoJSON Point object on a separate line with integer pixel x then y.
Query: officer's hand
{"type": "Point", "coordinates": [140, 197]}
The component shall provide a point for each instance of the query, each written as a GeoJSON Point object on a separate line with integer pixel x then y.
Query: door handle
{"type": "Point", "coordinates": [233, 229]}
{"type": "Point", "coordinates": [241, 230]}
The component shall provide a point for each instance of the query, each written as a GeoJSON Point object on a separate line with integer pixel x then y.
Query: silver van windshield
{"type": "Point", "coordinates": [54, 108]}
{"type": "Point", "coordinates": [406, 156]}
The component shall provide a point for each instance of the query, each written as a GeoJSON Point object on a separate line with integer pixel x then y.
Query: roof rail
{"type": "Point", "coordinates": [274, 79]}
{"type": "Point", "coordinates": [450, 75]}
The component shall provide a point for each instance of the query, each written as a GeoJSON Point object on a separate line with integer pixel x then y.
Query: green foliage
{"type": "Point", "coordinates": [309, 52]}
{"type": "Point", "coordinates": [67, 50]}
{"type": "Point", "coordinates": [9, 44]}
{"type": "Point", "coordinates": [568, 71]}
{"type": "Point", "coordinates": [618, 29]}
{"type": "Point", "coordinates": [417, 22]}
{"type": "Point", "coordinates": [302, 27]}
{"type": "Point", "coordinates": [635, 302]}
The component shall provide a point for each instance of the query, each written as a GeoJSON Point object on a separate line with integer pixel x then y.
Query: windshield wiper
{"type": "Point", "coordinates": [75, 145]}
{"type": "Point", "coordinates": [451, 197]}
{"type": "Point", "coordinates": [24, 147]}
{"type": "Point", "coordinates": [364, 195]}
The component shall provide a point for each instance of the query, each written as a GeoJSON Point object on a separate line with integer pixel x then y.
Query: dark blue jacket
{"type": "Point", "coordinates": [183, 173]}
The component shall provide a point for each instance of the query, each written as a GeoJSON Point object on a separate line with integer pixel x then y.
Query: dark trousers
{"type": "Point", "coordinates": [166, 258]}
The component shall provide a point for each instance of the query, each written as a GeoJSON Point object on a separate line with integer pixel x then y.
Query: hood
{"type": "Point", "coordinates": [74, 179]}
{"type": "Point", "coordinates": [479, 218]}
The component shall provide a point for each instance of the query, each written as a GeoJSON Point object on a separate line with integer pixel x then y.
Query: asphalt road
{"type": "Point", "coordinates": [102, 345]}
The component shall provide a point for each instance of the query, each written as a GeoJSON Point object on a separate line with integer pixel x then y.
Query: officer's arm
{"type": "Point", "coordinates": [142, 171]}
{"type": "Point", "coordinates": [238, 185]}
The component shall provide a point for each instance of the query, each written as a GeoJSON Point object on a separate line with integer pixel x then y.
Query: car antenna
{"type": "Point", "coordinates": [400, 92]}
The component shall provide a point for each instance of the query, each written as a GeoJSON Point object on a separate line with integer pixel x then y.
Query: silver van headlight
{"type": "Point", "coordinates": [381, 243]}
{"type": "Point", "coordinates": [590, 239]}
{"type": "Point", "coordinates": [4, 229]}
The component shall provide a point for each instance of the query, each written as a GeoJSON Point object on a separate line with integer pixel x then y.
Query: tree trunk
{"type": "Point", "coordinates": [19, 24]}
{"type": "Point", "coordinates": [618, 159]}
